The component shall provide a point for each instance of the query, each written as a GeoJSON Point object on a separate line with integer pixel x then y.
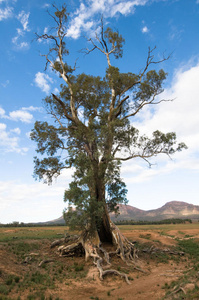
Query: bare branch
{"type": "Point", "coordinates": [150, 61]}
{"type": "Point", "coordinates": [143, 156]}
{"type": "Point", "coordinates": [143, 103]}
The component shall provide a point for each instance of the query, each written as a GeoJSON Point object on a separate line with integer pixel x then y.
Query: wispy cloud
{"type": "Point", "coordinates": [43, 81]}
{"type": "Point", "coordinates": [5, 84]}
{"type": "Point", "coordinates": [6, 13]}
{"type": "Point", "coordinates": [175, 32]}
{"type": "Point", "coordinates": [2, 112]}
{"type": "Point", "coordinates": [23, 18]}
{"type": "Point", "coordinates": [9, 140]}
{"type": "Point", "coordinates": [83, 18]}
{"type": "Point", "coordinates": [32, 108]}
{"type": "Point", "coordinates": [16, 194]}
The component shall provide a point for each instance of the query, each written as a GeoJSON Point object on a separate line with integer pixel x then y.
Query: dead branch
{"type": "Point", "coordinates": [177, 291]}
{"type": "Point", "coordinates": [45, 261]}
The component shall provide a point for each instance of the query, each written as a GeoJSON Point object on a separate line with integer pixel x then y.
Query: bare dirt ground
{"type": "Point", "coordinates": [73, 279]}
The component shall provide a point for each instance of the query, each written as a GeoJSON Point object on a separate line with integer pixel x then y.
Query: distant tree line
{"type": "Point", "coordinates": [18, 224]}
{"type": "Point", "coordinates": [119, 222]}
{"type": "Point", "coordinates": [166, 221]}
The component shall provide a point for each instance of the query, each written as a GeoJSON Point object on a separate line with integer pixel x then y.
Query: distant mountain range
{"type": "Point", "coordinates": [172, 209]}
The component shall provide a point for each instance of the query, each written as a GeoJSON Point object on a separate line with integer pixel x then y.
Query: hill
{"type": "Point", "coordinates": [172, 209]}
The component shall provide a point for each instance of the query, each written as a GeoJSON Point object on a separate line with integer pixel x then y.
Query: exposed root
{"type": "Point", "coordinates": [89, 245]}
{"type": "Point", "coordinates": [57, 243]}
{"type": "Point", "coordinates": [45, 261]}
{"type": "Point", "coordinates": [106, 255]}
{"type": "Point", "coordinates": [154, 250]}
{"type": "Point", "coordinates": [102, 272]}
{"type": "Point", "coordinates": [66, 239]}
{"type": "Point", "coordinates": [177, 291]}
{"type": "Point", "coordinates": [71, 250]}
{"type": "Point", "coordinates": [125, 248]}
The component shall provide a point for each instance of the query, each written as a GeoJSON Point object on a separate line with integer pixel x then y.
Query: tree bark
{"type": "Point", "coordinates": [104, 231]}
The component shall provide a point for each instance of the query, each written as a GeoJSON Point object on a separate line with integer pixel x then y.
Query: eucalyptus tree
{"type": "Point", "coordinates": [93, 132]}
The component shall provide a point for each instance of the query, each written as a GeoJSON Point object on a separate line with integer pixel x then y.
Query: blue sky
{"type": "Point", "coordinates": [170, 25]}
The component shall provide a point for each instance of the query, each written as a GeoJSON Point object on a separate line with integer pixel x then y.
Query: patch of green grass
{"type": "Point", "coordinates": [8, 234]}
{"type": "Point", "coordinates": [190, 247]}
{"type": "Point", "coordinates": [38, 296]}
{"type": "Point", "coordinates": [145, 236]}
{"type": "Point", "coordinates": [4, 289]}
{"type": "Point", "coordinates": [76, 271]}
{"type": "Point", "coordinates": [157, 241]}
{"type": "Point", "coordinates": [21, 249]}
{"type": "Point", "coordinates": [188, 236]}
{"type": "Point", "coordinates": [9, 280]}
{"type": "Point", "coordinates": [181, 232]}
{"type": "Point", "coordinates": [175, 288]}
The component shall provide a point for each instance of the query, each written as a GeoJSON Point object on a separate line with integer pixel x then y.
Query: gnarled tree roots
{"type": "Point", "coordinates": [89, 244]}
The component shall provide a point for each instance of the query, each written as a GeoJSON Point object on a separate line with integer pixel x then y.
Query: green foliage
{"type": "Point", "coordinates": [115, 40]}
{"type": "Point", "coordinates": [93, 126]}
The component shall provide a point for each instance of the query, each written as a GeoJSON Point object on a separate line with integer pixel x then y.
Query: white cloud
{"type": "Point", "coordinates": [8, 142]}
{"type": "Point", "coordinates": [2, 127]}
{"type": "Point", "coordinates": [5, 13]}
{"type": "Point", "coordinates": [46, 5]}
{"type": "Point", "coordinates": [23, 19]}
{"type": "Point", "coordinates": [32, 108]}
{"type": "Point", "coordinates": [43, 81]}
{"type": "Point", "coordinates": [83, 18]}
{"type": "Point", "coordinates": [33, 198]}
{"type": "Point", "coordinates": [16, 130]}
{"type": "Point", "coordinates": [45, 30]}
{"type": "Point", "coordinates": [21, 115]}
{"type": "Point", "coordinates": [56, 91]}
{"type": "Point", "coordinates": [180, 116]}
{"type": "Point", "coordinates": [2, 112]}
{"type": "Point", "coordinates": [145, 29]}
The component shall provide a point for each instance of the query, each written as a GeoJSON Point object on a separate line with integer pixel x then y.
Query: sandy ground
{"type": "Point", "coordinates": [147, 285]}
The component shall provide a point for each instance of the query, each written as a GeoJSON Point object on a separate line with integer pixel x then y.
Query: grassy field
{"type": "Point", "coordinates": [23, 233]}
{"type": "Point", "coordinates": [161, 227]}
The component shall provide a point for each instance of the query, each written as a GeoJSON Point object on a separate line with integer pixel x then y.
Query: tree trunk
{"type": "Point", "coordinates": [102, 231]}
{"type": "Point", "coordinates": [105, 232]}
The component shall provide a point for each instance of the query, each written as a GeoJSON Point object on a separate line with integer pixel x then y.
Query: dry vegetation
{"type": "Point", "coordinates": [29, 269]}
